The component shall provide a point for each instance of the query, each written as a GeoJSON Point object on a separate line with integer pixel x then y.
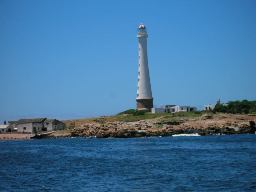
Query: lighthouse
{"type": "Point", "coordinates": [144, 97]}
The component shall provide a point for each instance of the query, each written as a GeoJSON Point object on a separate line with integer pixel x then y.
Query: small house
{"type": "Point", "coordinates": [186, 108]}
{"type": "Point", "coordinates": [30, 125]}
{"type": "Point", "coordinates": [3, 128]}
{"type": "Point", "coordinates": [157, 110]}
{"type": "Point", "coordinates": [173, 109]}
{"type": "Point", "coordinates": [53, 125]}
{"type": "Point", "coordinates": [177, 108]}
{"type": "Point", "coordinates": [37, 125]}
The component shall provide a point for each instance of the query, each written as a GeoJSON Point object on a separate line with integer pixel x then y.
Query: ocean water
{"type": "Point", "coordinates": [210, 163]}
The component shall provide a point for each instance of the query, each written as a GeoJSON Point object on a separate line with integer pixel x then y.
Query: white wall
{"type": "Point", "coordinates": [25, 128]}
{"type": "Point", "coordinates": [29, 127]}
{"type": "Point", "coordinates": [157, 110]}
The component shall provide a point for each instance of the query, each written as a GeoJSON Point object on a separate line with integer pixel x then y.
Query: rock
{"type": "Point", "coordinates": [252, 124]}
{"type": "Point", "coordinates": [207, 124]}
{"type": "Point", "coordinates": [206, 116]}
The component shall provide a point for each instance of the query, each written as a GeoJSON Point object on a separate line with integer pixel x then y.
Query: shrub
{"type": "Point", "coordinates": [133, 112]}
{"type": "Point", "coordinates": [242, 107]}
{"type": "Point", "coordinates": [136, 113]}
{"type": "Point", "coordinates": [129, 111]}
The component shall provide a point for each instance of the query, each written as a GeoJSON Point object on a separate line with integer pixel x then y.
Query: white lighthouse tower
{"type": "Point", "coordinates": [144, 97]}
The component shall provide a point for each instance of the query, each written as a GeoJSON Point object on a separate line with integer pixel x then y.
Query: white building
{"type": "Point", "coordinates": [157, 110]}
{"type": "Point", "coordinates": [30, 125]}
{"type": "Point", "coordinates": [144, 97]}
{"type": "Point", "coordinates": [3, 128]}
{"type": "Point", "coordinates": [178, 108]}
{"type": "Point", "coordinates": [173, 109]}
{"type": "Point", "coordinates": [186, 109]}
{"type": "Point", "coordinates": [37, 125]}
{"type": "Point", "coordinates": [53, 125]}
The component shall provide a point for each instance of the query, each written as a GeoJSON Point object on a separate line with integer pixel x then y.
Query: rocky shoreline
{"type": "Point", "coordinates": [128, 126]}
{"type": "Point", "coordinates": [206, 124]}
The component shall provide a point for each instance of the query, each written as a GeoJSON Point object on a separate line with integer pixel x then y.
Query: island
{"type": "Point", "coordinates": [127, 125]}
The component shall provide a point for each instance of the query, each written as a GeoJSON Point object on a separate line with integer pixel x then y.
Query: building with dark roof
{"type": "Point", "coordinates": [53, 125]}
{"type": "Point", "coordinates": [37, 125]}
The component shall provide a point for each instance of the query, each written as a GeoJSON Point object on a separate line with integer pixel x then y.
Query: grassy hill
{"type": "Point", "coordinates": [134, 116]}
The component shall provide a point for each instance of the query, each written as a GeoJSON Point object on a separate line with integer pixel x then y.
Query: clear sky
{"type": "Point", "coordinates": [72, 59]}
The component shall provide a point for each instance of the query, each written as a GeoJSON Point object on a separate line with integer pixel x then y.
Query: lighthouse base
{"type": "Point", "coordinates": [144, 104]}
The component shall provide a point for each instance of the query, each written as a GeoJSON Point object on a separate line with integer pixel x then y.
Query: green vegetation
{"type": "Point", "coordinates": [237, 107]}
{"type": "Point", "coordinates": [133, 112]}
{"type": "Point", "coordinates": [134, 115]}
{"type": "Point", "coordinates": [129, 111]}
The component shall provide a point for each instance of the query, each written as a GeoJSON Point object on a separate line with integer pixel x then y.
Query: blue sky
{"type": "Point", "coordinates": [72, 59]}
